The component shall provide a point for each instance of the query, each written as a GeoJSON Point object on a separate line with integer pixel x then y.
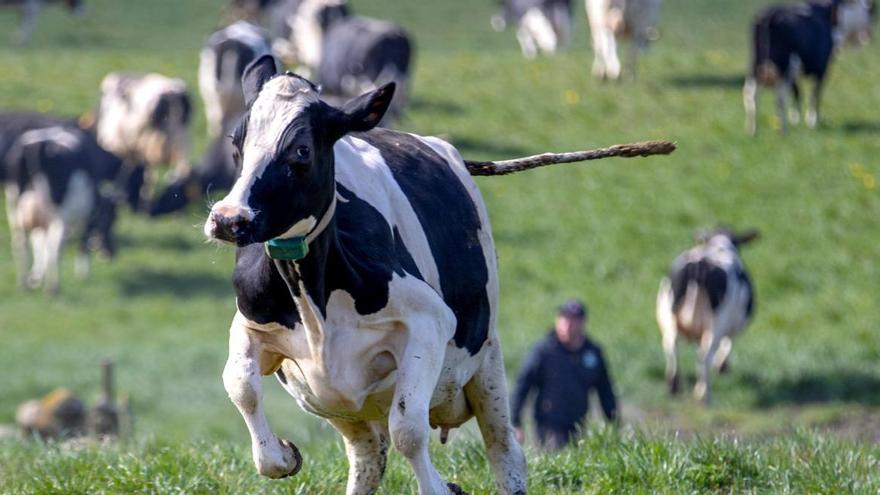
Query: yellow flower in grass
{"type": "Point", "coordinates": [572, 97]}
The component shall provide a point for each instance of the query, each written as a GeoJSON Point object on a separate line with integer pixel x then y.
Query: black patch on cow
{"type": "Point", "coordinates": [232, 48]}
{"type": "Point", "coordinates": [744, 279]}
{"type": "Point", "coordinates": [363, 254]}
{"type": "Point", "coordinates": [707, 276]}
{"type": "Point", "coordinates": [804, 30]}
{"type": "Point", "coordinates": [451, 223]}
{"type": "Point", "coordinates": [281, 377]}
{"type": "Point", "coordinates": [262, 295]}
{"type": "Point", "coordinates": [169, 104]}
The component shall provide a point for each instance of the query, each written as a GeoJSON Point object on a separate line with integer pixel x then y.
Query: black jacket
{"type": "Point", "coordinates": [563, 380]}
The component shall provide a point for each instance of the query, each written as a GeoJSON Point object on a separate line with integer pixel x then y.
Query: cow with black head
{"type": "Point", "coordinates": [366, 282]}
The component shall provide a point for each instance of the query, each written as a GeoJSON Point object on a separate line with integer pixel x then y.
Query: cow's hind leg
{"type": "Point", "coordinates": [750, 103]}
{"type": "Point", "coordinates": [367, 450]}
{"type": "Point", "coordinates": [721, 362]}
{"type": "Point", "coordinates": [242, 378]}
{"type": "Point", "coordinates": [487, 395]}
{"type": "Point", "coordinates": [706, 356]}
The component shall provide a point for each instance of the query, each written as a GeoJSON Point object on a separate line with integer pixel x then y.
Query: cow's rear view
{"type": "Point", "coordinates": [707, 298]}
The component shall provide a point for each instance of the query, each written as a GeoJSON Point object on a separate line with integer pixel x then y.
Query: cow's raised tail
{"type": "Point", "coordinates": [503, 167]}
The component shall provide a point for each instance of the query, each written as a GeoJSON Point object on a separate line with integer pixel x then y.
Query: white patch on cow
{"type": "Point", "coordinates": [57, 135]}
{"type": "Point", "coordinates": [300, 228]}
{"type": "Point", "coordinates": [307, 33]}
{"type": "Point", "coordinates": [853, 22]}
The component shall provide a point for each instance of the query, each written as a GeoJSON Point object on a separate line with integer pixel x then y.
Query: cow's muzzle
{"type": "Point", "coordinates": [230, 224]}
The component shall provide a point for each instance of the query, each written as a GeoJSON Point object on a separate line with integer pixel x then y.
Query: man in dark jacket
{"type": "Point", "coordinates": [562, 369]}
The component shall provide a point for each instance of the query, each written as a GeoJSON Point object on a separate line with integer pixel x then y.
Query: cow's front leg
{"type": "Point", "coordinates": [418, 372]}
{"type": "Point", "coordinates": [242, 379]}
{"type": "Point", "coordinates": [367, 450]}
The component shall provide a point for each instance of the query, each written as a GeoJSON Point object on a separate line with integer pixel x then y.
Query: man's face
{"type": "Point", "coordinates": [569, 330]}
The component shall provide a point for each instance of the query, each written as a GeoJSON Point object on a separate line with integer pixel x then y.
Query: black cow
{"type": "Point", "coordinates": [707, 298]}
{"type": "Point", "coordinates": [54, 181]}
{"type": "Point", "coordinates": [29, 10]}
{"type": "Point", "coordinates": [352, 54]}
{"type": "Point", "coordinates": [799, 39]}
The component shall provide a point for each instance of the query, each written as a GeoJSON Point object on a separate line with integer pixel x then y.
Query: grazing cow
{"type": "Point", "coordinates": [53, 188]}
{"type": "Point", "coordinates": [707, 297]}
{"type": "Point", "coordinates": [29, 10]}
{"type": "Point", "coordinates": [351, 54]}
{"type": "Point", "coordinates": [217, 170]}
{"type": "Point", "coordinates": [374, 299]}
{"type": "Point", "coordinates": [221, 64]}
{"type": "Point", "coordinates": [613, 20]}
{"type": "Point", "coordinates": [144, 118]}
{"type": "Point", "coordinates": [799, 39]}
{"type": "Point", "coordinates": [542, 25]}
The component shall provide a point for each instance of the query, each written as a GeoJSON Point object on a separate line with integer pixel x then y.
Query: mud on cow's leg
{"type": "Point", "coordinates": [367, 450]}
{"type": "Point", "coordinates": [242, 379]}
{"type": "Point", "coordinates": [487, 395]}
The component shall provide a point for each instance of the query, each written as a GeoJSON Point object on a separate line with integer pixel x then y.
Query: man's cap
{"type": "Point", "coordinates": [573, 308]}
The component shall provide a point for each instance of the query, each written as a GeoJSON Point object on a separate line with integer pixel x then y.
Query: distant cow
{"type": "Point", "coordinates": [144, 118]}
{"type": "Point", "coordinates": [351, 54]}
{"type": "Point", "coordinates": [614, 20]}
{"type": "Point", "coordinates": [53, 190]}
{"type": "Point", "coordinates": [215, 172]}
{"type": "Point", "coordinates": [542, 25]}
{"type": "Point", "coordinates": [707, 298]}
{"type": "Point", "coordinates": [789, 41]}
{"type": "Point", "coordinates": [29, 10]}
{"type": "Point", "coordinates": [222, 62]}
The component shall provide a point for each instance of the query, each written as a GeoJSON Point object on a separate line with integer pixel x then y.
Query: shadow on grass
{"type": "Point", "coordinates": [164, 242]}
{"type": "Point", "coordinates": [861, 127]}
{"type": "Point", "coordinates": [811, 388]}
{"type": "Point", "coordinates": [706, 81]}
{"type": "Point", "coordinates": [183, 285]}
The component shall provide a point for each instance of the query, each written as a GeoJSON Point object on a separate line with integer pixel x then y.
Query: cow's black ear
{"type": "Point", "coordinates": [366, 111]}
{"type": "Point", "coordinates": [746, 237]}
{"type": "Point", "coordinates": [255, 76]}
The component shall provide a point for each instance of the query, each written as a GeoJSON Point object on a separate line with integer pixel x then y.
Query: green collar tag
{"type": "Point", "coordinates": [295, 248]}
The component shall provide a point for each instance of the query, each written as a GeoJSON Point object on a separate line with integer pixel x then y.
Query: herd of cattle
{"type": "Point", "coordinates": [365, 266]}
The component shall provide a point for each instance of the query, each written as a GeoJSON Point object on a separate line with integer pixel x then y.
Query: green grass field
{"type": "Point", "coordinates": [803, 395]}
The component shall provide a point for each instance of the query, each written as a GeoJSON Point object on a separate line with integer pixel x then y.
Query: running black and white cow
{"type": "Point", "coordinates": [366, 280]}
{"type": "Point", "coordinates": [29, 10]}
{"type": "Point", "coordinates": [221, 64]}
{"type": "Point", "coordinates": [543, 26]}
{"type": "Point", "coordinates": [790, 41]}
{"type": "Point", "coordinates": [351, 54]}
{"type": "Point", "coordinates": [53, 183]}
{"type": "Point", "coordinates": [615, 20]}
{"type": "Point", "coordinates": [707, 298]}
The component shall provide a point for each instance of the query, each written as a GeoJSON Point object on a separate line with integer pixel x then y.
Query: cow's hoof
{"type": "Point", "coordinates": [455, 489]}
{"type": "Point", "coordinates": [297, 458]}
{"type": "Point", "coordinates": [281, 463]}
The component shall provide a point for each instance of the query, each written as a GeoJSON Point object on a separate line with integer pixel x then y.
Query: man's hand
{"type": "Point", "coordinates": [520, 434]}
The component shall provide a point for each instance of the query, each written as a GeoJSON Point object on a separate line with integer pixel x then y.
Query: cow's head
{"type": "Point", "coordinates": [724, 235]}
{"type": "Point", "coordinates": [284, 146]}
{"type": "Point", "coordinates": [853, 21]}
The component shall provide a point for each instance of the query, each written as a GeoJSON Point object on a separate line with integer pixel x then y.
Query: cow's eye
{"type": "Point", "coordinates": [302, 152]}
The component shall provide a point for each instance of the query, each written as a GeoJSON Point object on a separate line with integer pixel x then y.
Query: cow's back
{"type": "Point", "coordinates": [421, 187]}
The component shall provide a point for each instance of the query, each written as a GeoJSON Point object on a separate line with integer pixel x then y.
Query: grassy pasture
{"type": "Point", "coordinates": [605, 232]}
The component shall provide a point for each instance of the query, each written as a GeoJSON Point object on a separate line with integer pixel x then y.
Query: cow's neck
{"type": "Point", "coordinates": [308, 282]}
